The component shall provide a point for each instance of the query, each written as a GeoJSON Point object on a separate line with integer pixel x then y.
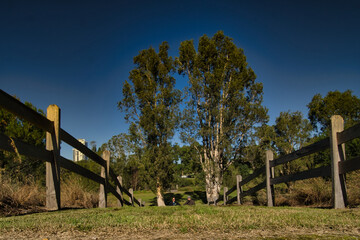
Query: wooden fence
{"type": "Point", "coordinates": [339, 167]}
{"type": "Point", "coordinates": [54, 161]}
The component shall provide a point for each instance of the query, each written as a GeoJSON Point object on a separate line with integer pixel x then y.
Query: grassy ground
{"type": "Point", "coordinates": [182, 222]}
{"type": "Point", "coordinates": [150, 198]}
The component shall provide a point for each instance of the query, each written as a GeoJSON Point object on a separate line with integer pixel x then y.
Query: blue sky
{"type": "Point", "coordinates": [77, 54]}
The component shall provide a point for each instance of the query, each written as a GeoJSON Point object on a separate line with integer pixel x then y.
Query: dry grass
{"type": "Point", "coordinates": [16, 198]}
{"type": "Point", "coordinates": [19, 198]}
{"type": "Point", "coordinates": [353, 188]}
{"type": "Point", "coordinates": [73, 195]}
{"type": "Point", "coordinates": [311, 192]}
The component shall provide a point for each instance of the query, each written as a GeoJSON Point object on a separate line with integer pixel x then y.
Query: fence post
{"type": "Point", "coordinates": [225, 197]}
{"type": "Point", "coordinates": [131, 198]}
{"type": "Point", "coordinates": [119, 203]}
{"type": "Point", "coordinates": [337, 155]}
{"type": "Point", "coordinates": [238, 188]}
{"type": "Point", "coordinates": [269, 157]}
{"type": "Point", "coordinates": [105, 175]}
{"type": "Point", "coordinates": [52, 166]}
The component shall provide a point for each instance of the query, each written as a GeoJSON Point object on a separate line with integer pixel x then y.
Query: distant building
{"type": "Point", "coordinates": [77, 155]}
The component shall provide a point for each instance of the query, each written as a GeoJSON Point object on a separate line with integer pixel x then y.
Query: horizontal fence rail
{"type": "Point", "coordinates": [19, 109]}
{"type": "Point", "coordinates": [339, 166]}
{"type": "Point", "coordinates": [305, 151]}
{"type": "Point", "coordinates": [17, 146]}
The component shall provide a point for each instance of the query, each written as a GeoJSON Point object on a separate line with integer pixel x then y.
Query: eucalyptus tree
{"type": "Point", "coordinates": [224, 104]}
{"type": "Point", "coordinates": [151, 103]}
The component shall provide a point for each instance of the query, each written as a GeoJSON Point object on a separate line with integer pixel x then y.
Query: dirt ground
{"type": "Point", "coordinates": [167, 234]}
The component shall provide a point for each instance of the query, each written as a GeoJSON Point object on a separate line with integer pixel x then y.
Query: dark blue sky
{"type": "Point", "coordinates": [77, 54]}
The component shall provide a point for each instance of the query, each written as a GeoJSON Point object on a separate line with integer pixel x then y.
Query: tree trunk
{"type": "Point", "coordinates": [159, 197]}
{"type": "Point", "coordinates": [213, 184]}
{"type": "Point", "coordinates": [213, 175]}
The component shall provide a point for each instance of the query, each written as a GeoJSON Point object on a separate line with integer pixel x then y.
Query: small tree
{"type": "Point", "coordinates": [224, 104]}
{"type": "Point", "coordinates": [292, 132]}
{"type": "Point", "coordinates": [151, 104]}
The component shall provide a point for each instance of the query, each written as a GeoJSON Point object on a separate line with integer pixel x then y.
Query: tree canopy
{"type": "Point", "coordinates": [334, 103]}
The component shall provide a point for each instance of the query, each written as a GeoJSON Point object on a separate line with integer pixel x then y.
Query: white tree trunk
{"type": "Point", "coordinates": [159, 197]}
{"type": "Point", "coordinates": [212, 188]}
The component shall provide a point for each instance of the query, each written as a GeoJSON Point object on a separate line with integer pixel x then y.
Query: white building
{"type": "Point", "coordinates": [77, 155]}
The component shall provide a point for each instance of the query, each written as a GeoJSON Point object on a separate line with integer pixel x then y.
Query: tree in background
{"type": "Point", "coordinates": [126, 159]}
{"type": "Point", "coordinates": [187, 166]}
{"type": "Point", "coordinates": [151, 104]}
{"type": "Point", "coordinates": [254, 153]}
{"type": "Point", "coordinates": [188, 160]}
{"type": "Point", "coordinates": [224, 104]}
{"type": "Point", "coordinates": [321, 109]}
{"type": "Point", "coordinates": [292, 131]}
{"type": "Point", "coordinates": [334, 103]}
{"type": "Point", "coordinates": [17, 166]}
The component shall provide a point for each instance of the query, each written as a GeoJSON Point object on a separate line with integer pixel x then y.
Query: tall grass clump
{"type": "Point", "coordinates": [19, 198]}
{"type": "Point", "coordinates": [353, 188]}
{"type": "Point", "coordinates": [311, 192]}
{"type": "Point", "coordinates": [75, 195]}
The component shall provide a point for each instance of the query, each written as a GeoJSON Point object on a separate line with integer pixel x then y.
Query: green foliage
{"type": "Point", "coordinates": [151, 101]}
{"type": "Point", "coordinates": [126, 160]}
{"type": "Point", "coordinates": [292, 131]}
{"type": "Point", "coordinates": [253, 154]}
{"type": "Point", "coordinates": [187, 160]}
{"type": "Point", "coordinates": [320, 111]}
{"type": "Point", "coordinates": [334, 103]}
{"type": "Point", "coordinates": [16, 166]}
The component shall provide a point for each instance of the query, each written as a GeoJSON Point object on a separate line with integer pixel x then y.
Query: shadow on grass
{"type": "Point", "coordinates": [179, 197]}
{"type": "Point", "coordinates": [197, 195]}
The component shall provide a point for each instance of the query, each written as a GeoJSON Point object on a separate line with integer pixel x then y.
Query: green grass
{"type": "Point", "coordinates": [193, 221]}
{"type": "Point", "coordinates": [150, 198]}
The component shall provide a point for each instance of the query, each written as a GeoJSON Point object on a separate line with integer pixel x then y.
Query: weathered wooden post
{"type": "Point", "coordinates": [269, 193]}
{"type": "Point", "coordinates": [105, 175]}
{"type": "Point", "coordinates": [131, 198]}
{"type": "Point", "coordinates": [52, 166]}
{"type": "Point", "coordinates": [225, 197]}
{"type": "Point", "coordinates": [118, 190]}
{"type": "Point", "coordinates": [337, 155]}
{"type": "Point", "coordinates": [238, 188]}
